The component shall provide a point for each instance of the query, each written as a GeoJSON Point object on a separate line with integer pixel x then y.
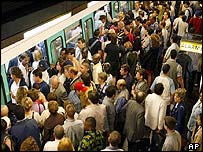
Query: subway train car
{"type": "Point", "coordinates": [63, 31]}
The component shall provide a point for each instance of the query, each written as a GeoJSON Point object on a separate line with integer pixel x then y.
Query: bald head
{"type": "Point", "coordinates": [55, 81]}
{"type": "Point", "coordinates": [4, 110]}
{"type": "Point", "coordinates": [59, 132]}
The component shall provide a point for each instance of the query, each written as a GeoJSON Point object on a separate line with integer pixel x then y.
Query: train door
{"type": "Point", "coordinates": [54, 45]}
{"type": "Point", "coordinates": [88, 26]}
{"type": "Point", "coordinates": [5, 93]}
{"type": "Point", "coordinates": [124, 7]}
{"type": "Point", "coordinates": [115, 8]}
{"type": "Point", "coordinates": [131, 5]}
{"type": "Point", "coordinates": [72, 33]}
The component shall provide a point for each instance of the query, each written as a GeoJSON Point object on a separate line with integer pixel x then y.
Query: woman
{"type": "Point", "coordinates": [179, 110]}
{"type": "Point", "coordinates": [197, 133]}
{"type": "Point", "coordinates": [29, 113]}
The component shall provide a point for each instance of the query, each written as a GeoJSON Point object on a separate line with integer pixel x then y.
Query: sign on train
{"type": "Point", "coordinates": [191, 46]}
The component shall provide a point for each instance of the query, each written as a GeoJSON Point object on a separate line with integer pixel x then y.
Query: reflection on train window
{"type": "Point", "coordinates": [56, 46]}
{"type": "Point", "coordinates": [132, 6]}
{"type": "Point", "coordinates": [116, 8]}
{"type": "Point", "coordinates": [3, 96]}
{"type": "Point", "coordinates": [88, 29]}
{"type": "Point", "coordinates": [72, 33]}
{"type": "Point", "coordinates": [124, 6]}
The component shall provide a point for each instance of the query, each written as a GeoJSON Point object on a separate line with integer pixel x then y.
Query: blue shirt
{"type": "Point", "coordinates": [73, 97]}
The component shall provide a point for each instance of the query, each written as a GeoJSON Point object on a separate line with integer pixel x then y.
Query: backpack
{"type": "Point", "coordinates": [190, 10]}
{"type": "Point", "coordinates": [40, 106]}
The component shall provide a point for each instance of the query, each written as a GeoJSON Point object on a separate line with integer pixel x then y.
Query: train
{"type": "Point", "coordinates": [61, 32]}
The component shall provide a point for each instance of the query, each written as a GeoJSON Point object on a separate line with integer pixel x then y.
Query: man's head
{"type": "Point", "coordinates": [90, 124]}
{"type": "Point", "coordinates": [55, 81]}
{"type": "Point", "coordinates": [58, 132]}
{"type": "Point", "coordinates": [114, 138]}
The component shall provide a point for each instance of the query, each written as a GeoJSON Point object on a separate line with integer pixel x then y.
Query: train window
{"type": "Point", "coordinates": [56, 45]}
{"type": "Point", "coordinates": [3, 96]}
{"type": "Point", "coordinates": [124, 6]}
{"type": "Point", "coordinates": [88, 29]}
{"type": "Point", "coordinates": [72, 33]}
{"type": "Point", "coordinates": [131, 5]}
{"type": "Point", "coordinates": [116, 8]}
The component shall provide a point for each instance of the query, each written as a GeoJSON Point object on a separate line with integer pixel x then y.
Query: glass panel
{"type": "Point", "coordinates": [56, 46]}
{"type": "Point", "coordinates": [124, 6]}
{"type": "Point", "coordinates": [3, 101]}
{"type": "Point", "coordinates": [116, 8]}
{"type": "Point", "coordinates": [88, 29]}
{"type": "Point", "coordinates": [72, 33]}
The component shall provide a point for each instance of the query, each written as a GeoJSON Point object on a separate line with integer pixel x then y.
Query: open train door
{"type": "Point", "coordinates": [54, 45]}
{"type": "Point", "coordinates": [5, 93]}
{"type": "Point", "coordinates": [115, 8]}
{"type": "Point", "coordinates": [88, 27]}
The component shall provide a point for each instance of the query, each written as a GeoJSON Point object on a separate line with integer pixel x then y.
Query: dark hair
{"type": "Point", "coordinates": [181, 13]}
{"type": "Point", "coordinates": [71, 51]}
{"type": "Point", "coordinates": [184, 18]}
{"type": "Point", "coordinates": [91, 121]}
{"type": "Point", "coordinates": [165, 68]}
{"type": "Point", "coordinates": [113, 38]}
{"type": "Point", "coordinates": [174, 38]}
{"type": "Point", "coordinates": [158, 88]}
{"type": "Point", "coordinates": [107, 67]}
{"type": "Point", "coordinates": [59, 131]}
{"type": "Point", "coordinates": [86, 79]}
{"type": "Point", "coordinates": [96, 33]}
{"type": "Point", "coordinates": [125, 67]}
{"type": "Point", "coordinates": [114, 138]}
{"type": "Point", "coordinates": [81, 39]}
{"type": "Point", "coordinates": [93, 96]}
{"type": "Point", "coordinates": [150, 31]}
{"type": "Point", "coordinates": [110, 91]}
{"type": "Point", "coordinates": [140, 96]}
{"type": "Point", "coordinates": [170, 122]}
{"type": "Point", "coordinates": [173, 54]}
{"type": "Point", "coordinates": [142, 72]}
{"type": "Point", "coordinates": [36, 86]}
{"type": "Point", "coordinates": [33, 94]}
{"type": "Point", "coordinates": [3, 125]}
{"type": "Point", "coordinates": [19, 112]}
{"type": "Point", "coordinates": [51, 96]}
{"type": "Point", "coordinates": [16, 71]}
{"type": "Point", "coordinates": [37, 73]}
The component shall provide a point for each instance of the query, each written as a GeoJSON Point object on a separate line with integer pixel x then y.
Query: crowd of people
{"type": "Point", "coordinates": [125, 90]}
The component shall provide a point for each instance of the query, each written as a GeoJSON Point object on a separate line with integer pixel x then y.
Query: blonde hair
{"type": "Point", "coordinates": [128, 45]}
{"type": "Point", "coordinates": [37, 55]}
{"type": "Point", "coordinates": [180, 92]}
{"type": "Point", "coordinates": [65, 144]}
{"type": "Point", "coordinates": [27, 103]}
{"type": "Point", "coordinates": [21, 93]}
{"type": "Point", "coordinates": [29, 144]}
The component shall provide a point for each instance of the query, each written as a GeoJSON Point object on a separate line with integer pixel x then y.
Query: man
{"type": "Point", "coordinates": [23, 128]}
{"type": "Point", "coordinates": [96, 110]}
{"type": "Point", "coordinates": [52, 121]}
{"type": "Point", "coordinates": [80, 46]}
{"type": "Point", "coordinates": [110, 108]}
{"type": "Point", "coordinates": [58, 134]}
{"type": "Point", "coordinates": [37, 77]}
{"type": "Point", "coordinates": [73, 74]}
{"type": "Point", "coordinates": [114, 140]}
{"type": "Point", "coordinates": [59, 90]}
{"type": "Point", "coordinates": [169, 87]}
{"type": "Point", "coordinates": [173, 138]}
{"type": "Point", "coordinates": [73, 128]}
{"type": "Point", "coordinates": [76, 95]}
{"type": "Point", "coordinates": [134, 123]}
{"type": "Point", "coordinates": [125, 74]}
{"type": "Point", "coordinates": [93, 139]}
{"type": "Point", "coordinates": [155, 111]}
{"type": "Point", "coordinates": [175, 71]}
{"type": "Point", "coordinates": [94, 43]}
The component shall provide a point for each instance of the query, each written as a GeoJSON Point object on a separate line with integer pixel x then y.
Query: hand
{"type": "Point", "coordinates": [12, 95]}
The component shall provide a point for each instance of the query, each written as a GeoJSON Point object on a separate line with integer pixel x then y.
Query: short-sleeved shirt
{"type": "Point", "coordinates": [92, 141]}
